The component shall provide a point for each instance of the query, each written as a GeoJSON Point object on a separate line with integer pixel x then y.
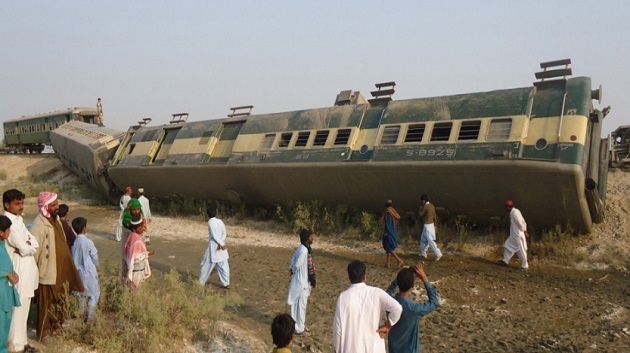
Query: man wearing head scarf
{"type": "Point", "coordinates": [124, 200]}
{"type": "Point", "coordinates": [390, 238]}
{"type": "Point", "coordinates": [302, 274]}
{"type": "Point", "coordinates": [516, 243]}
{"type": "Point", "coordinates": [57, 272]}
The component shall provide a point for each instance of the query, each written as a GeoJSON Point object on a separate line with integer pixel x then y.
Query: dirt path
{"type": "Point", "coordinates": [485, 307]}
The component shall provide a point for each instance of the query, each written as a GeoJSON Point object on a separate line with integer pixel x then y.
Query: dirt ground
{"type": "Point", "coordinates": [485, 307]}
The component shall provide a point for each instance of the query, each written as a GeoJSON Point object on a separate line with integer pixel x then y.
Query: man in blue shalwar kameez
{"type": "Point", "coordinates": [390, 238]}
{"type": "Point", "coordinates": [404, 336]}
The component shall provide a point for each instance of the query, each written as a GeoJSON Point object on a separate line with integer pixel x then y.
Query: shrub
{"type": "Point", "coordinates": [157, 317]}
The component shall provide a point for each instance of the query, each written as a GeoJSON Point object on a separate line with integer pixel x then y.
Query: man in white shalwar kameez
{"type": "Point", "coordinates": [356, 325]}
{"type": "Point", "coordinates": [21, 247]}
{"type": "Point", "coordinates": [516, 243]}
{"type": "Point", "coordinates": [146, 212]}
{"type": "Point", "coordinates": [124, 200]}
{"type": "Point", "coordinates": [300, 286]}
{"type": "Point", "coordinates": [216, 254]}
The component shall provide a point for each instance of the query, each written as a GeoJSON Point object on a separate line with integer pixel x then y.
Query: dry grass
{"type": "Point", "coordinates": [167, 310]}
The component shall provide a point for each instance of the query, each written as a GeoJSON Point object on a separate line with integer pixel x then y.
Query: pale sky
{"type": "Point", "coordinates": [155, 58]}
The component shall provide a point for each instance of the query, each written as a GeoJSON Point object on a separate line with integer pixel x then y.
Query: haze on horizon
{"type": "Point", "coordinates": [155, 58]}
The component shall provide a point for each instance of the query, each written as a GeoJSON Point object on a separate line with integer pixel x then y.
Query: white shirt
{"type": "Point", "coordinates": [216, 236]}
{"type": "Point", "coordinates": [144, 204]}
{"type": "Point", "coordinates": [358, 317]}
{"type": "Point", "coordinates": [516, 240]}
{"type": "Point", "coordinates": [24, 263]}
{"type": "Point", "coordinates": [299, 285]}
{"type": "Point", "coordinates": [124, 200]}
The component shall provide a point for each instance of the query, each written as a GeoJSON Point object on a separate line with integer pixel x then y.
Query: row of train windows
{"type": "Point", "coordinates": [499, 130]}
{"type": "Point", "coordinates": [321, 137]}
{"type": "Point", "coordinates": [32, 128]}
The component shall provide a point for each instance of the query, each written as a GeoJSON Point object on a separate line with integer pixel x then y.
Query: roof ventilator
{"type": "Point", "coordinates": [240, 111]}
{"type": "Point", "coordinates": [349, 97]}
{"type": "Point", "coordinates": [384, 93]}
{"type": "Point", "coordinates": [551, 71]}
{"type": "Point", "coordinates": [179, 118]}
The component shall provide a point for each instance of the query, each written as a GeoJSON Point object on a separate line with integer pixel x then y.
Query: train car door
{"type": "Point", "coordinates": [226, 138]}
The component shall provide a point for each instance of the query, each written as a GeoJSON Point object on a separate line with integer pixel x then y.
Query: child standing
{"type": "Point", "coordinates": [136, 254]}
{"type": "Point", "coordinates": [85, 258]}
{"type": "Point", "coordinates": [282, 330]}
{"type": "Point", "coordinates": [9, 297]}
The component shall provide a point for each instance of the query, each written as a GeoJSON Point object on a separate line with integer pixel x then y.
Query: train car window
{"type": "Point", "coordinates": [343, 135]}
{"type": "Point", "coordinates": [267, 141]}
{"type": "Point", "coordinates": [302, 138]}
{"type": "Point", "coordinates": [415, 133]}
{"type": "Point", "coordinates": [205, 137]}
{"type": "Point", "coordinates": [321, 137]}
{"type": "Point", "coordinates": [499, 130]}
{"type": "Point", "coordinates": [285, 139]}
{"type": "Point", "coordinates": [441, 131]}
{"type": "Point", "coordinates": [390, 135]}
{"type": "Point", "coordinates": [469, 130]}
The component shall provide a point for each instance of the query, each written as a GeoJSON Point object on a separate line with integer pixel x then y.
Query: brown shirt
{"type": "Point", "coordinates": [66, 270]}
{"type": "Point", "coordinates": [427, 213]}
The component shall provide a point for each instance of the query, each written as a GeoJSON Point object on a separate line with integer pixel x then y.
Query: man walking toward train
{"type": "Point", "coordinates": [428, 235]}
{"type": "Point", "coordinates": [516, 243]}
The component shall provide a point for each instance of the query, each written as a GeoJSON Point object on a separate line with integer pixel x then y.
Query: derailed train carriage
{"type": "Point", "coordinates": [538, 145]}
{"type": "Point", "coordinates": [31, 133]}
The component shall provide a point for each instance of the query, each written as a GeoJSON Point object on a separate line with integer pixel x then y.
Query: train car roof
{"type": "Point", "coordinates": [54, 113]}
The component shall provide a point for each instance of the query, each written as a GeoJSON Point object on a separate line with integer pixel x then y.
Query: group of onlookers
{"type": "Point", "coordinates": [53, 258]}
{"type": "Point", "coordinates": [356, 324]}
{"type": "Point", "coordinates": [39, 263]}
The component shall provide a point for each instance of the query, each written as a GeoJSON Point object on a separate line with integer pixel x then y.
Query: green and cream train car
{"type": "Point", "coordinates": [539, 146]}
{"type": "Point", "coordinates": [32, 133]}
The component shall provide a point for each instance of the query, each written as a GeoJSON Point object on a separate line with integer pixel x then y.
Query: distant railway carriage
{"type": "Point", "coordinates": [539, 146]}
{"type": "Point", "coordinates": [31, 133]}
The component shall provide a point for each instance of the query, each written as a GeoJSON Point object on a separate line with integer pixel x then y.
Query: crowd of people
{"type": "Point", "coordinates": [55, 257]}
{"type": "Point", "coordinates": [357, 325]}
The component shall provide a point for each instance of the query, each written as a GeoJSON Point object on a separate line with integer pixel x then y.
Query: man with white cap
{"type": "Point", "coordinates": [516, 243]}
{"type": "Point", "coordinates": [124, 200]}
{"type": "Point", "coordinates": [146, 212]}
{"type": "Point", "coordinates": [57, 272]}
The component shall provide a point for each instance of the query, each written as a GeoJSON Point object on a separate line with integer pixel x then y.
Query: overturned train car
{"type": "Point", "coordinates": [538, 145]}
